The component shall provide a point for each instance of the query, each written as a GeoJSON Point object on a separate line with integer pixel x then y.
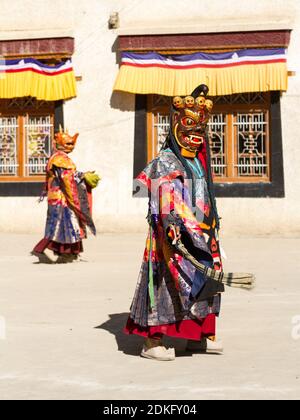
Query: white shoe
{"type": "Point", "coordinates": [205, 346]}
{"type": "Point", "coordinates": [158, 353]}
{"type": "Point", "coordinates": [50, 255]}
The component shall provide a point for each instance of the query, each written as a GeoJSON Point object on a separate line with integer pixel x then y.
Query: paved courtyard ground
{"type": "Point", "coordinates": [63, 327]}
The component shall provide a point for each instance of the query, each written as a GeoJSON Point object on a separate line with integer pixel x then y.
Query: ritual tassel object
{"type": "Point", "coordinates": [239, 280]}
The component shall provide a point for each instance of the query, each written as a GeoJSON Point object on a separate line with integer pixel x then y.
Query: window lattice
{"type": "Point", "coordinates": [216, 132]}
{"type": "Point", "coordinates": [252, 147]}
{"type": "Point", "coordinates": [161, 129]}
{"type": "Point", "coordinates": [26, 132]}
{"type": "Point", "coordinates": [25, 103]}
{"type": "Point", "coordinates": [8, 146]}
{"type": "Point", "coordinates": [38, 144]}
{"type": "Point", "coordinates": [242, 98]}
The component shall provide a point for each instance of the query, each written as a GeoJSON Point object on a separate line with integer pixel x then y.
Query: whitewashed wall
{"type": "Point", "coordinates": [106, 122]}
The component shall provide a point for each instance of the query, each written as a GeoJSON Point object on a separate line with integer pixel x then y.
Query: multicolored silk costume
{"type": "Point", "coordinates": [69, 206]}
{"type": "Point", "coordinates": [169, 297]}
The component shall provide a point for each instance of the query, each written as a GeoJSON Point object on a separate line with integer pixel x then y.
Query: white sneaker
{"type": "Point", "coordinates": [158, 353]}
{"type": "Point", "coordinates": [50, 255]}
{"type": "Point", "coordinates": [205, 346]}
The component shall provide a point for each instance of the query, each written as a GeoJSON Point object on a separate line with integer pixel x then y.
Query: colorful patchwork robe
{"type": "Point", "coordinates": [69, 202]}
{"type": "Point", "coordinates": [168, 284]}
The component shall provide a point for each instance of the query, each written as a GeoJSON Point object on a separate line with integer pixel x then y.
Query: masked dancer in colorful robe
{"type": "Point", "coordinates": [69, 204]}
{"type": "Point", "coordinates": [172, 297]}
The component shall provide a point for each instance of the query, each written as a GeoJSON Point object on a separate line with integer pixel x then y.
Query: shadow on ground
{"type": "Point", "coordinates": [132, 344]}
{"type": "Point", "coordinates": [128, 344]}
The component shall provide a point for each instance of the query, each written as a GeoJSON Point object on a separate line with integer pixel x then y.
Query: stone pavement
{"type": "Point", "coordinates": [61, 327]}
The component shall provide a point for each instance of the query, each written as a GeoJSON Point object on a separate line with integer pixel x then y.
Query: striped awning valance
{"type": "Point", "coordinates": [248, 70]}
{"type": "Point", "coordinates": [30, 77]}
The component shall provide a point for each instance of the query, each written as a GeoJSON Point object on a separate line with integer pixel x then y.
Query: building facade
{"type": "Point", "coordinates": [253, 132]}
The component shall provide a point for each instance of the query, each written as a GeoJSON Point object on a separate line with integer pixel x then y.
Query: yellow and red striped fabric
{"type": "Point", "coordinates": [30, 77]}
{"type": "Point", "coordinates": [249, 70]}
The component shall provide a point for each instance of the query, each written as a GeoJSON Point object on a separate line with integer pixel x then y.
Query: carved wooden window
{"type": "Point", "coordinates": [26, 133]}
{"type": "Point", "coordinates": [238, 135]}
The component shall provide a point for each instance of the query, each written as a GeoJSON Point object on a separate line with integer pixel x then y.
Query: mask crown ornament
{"type": "Point", "coordinates": [178, 102]}
{"type": "Point", "coordinates": [189, 118]}
{"type": "Point", "coordinates": [63, 141]}
{"type": "Point", "coordinates": [200, 102]}
{"type": "Point", "coordinates": [209, 105]}
{"type": "Point", "coordinates": [189, 101]}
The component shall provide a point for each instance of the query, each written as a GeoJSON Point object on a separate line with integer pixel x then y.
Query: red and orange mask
{"type": "Point", "coordinates": [64, 142]}
{"type": "Point", "coordinates": [190, 116]}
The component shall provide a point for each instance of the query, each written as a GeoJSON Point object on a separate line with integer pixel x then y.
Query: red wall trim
{"type": "Point", "coordinates": [34, 47]}
{"type": "Point", "coordinates": [254, 39]}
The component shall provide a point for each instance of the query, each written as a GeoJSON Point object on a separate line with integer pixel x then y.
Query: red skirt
{"type": "Point", "coordinates": [190, 329]}
{"type": "Point", "coordinates": [58, 248]}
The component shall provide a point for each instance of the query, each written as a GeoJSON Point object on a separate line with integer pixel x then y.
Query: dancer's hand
{"type": "Point", "coordinates": [91, 179]}
{"type": "Point", "coordinates": [174, 233]}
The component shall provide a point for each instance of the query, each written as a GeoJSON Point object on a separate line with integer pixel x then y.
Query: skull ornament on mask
{"type": "Point", "coordinates": [64, 142]}
{"type": "Point", "coordinates": [209, 105]}
{"type": "Point", "coordinates": [189, 101]}
{"type": "Point", "coordinates": [200, 102]}
{"type": "Point", "coordinates": [178, 102]}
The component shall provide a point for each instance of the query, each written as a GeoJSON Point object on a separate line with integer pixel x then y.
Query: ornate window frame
{"type": "Point", "coordinates": [29, 186]}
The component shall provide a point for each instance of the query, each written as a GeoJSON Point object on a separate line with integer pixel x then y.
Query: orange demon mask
{"type": "Point", "coordinates": [64, 142]}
